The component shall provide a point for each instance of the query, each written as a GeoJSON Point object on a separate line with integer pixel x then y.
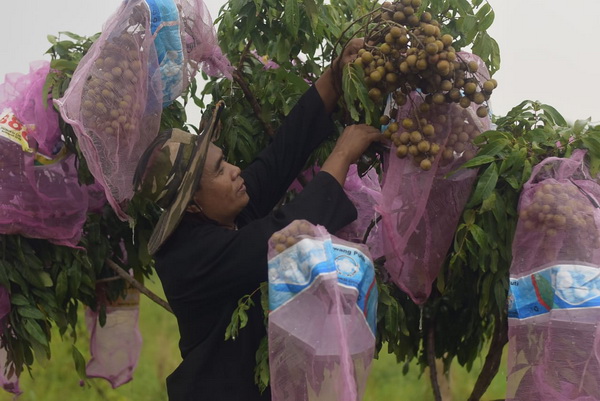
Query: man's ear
{"type": "Point", "coordinates": [193, 207]}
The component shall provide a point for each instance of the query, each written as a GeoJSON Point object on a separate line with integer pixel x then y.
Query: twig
{"type": "Point", "coordinates": [239, 79]}
{"type": "Point", "coordinates": [136, 284]}
{"type": "Point", "coordinates": [492, 360]}
{"type": "Point", "coordinates": [370, 228]}
{"type": "Point", "coordinates": [431, 361]}
{"type": "Point", "coordinates": [244, 54]}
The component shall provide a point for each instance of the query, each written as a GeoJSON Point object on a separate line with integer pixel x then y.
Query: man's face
{"type": "Point", "coordinates": [222, 194]}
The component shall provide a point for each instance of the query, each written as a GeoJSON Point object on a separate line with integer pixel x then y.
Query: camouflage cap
{"type": "Point", "coordinates": [169, 171]}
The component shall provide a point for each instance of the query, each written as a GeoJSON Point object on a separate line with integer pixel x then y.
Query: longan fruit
{"type": "Point", "coordinates": [366, 57]}
{"type": "Point", "coordinates": [404, 138]}
{"type": "Point", "coordinates": [408, 123]}
{"type": "Point", "coordinates": [466, 102]}
{"type": "Point", "coordinates": [396, 32]}
{"type": "Point", "coordinates": [488, 86]}
{"type": "Point", "coordinates": [473, 66]}
{"type": "Point", "coordinates": [428, 130]}
{"type": "Point", "coordinates": [402, 151]}
{"type": "Point", "coordinates": [375, 94]}
{"type": "Point", "coordinates": [415, 137]}
{"type": "Point", "coordinates": [482, 111]}
{"type": "Point", "coordinates": [447, 39]}
{"type": "Point", "coordinates": [424, 146]}
{"type": "Point", "coordinates": [470, 88]}
{"type": "Point", "coordinates": [425, 164]}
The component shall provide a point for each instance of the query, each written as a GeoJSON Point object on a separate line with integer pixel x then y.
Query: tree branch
{"type": "Point", "coordinates": [136, 284]}
{"type": "Point", "coordinates": [239, 79]}
{"type": "Point", "coordinates": [244, 54]}
{"type": "Point", "coordinates": [492, 360]}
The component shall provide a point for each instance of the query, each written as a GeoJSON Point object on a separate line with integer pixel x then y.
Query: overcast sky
{"type": "Point", "coordinates": [548, 49]}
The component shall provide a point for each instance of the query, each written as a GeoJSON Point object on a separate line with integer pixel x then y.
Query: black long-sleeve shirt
{"type": "Point", "coordinates": [205, 268]}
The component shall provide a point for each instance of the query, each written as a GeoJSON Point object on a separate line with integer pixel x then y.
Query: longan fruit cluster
{"type": "Point", "coordinates": [558, 207]}
{"type": "Point", "coordinates": [291, 235]}
{"type": "Point", "coordinates": [418, 135]}
{"type": "Point", "coordinates": [109, 99]}
{"type": "Point", "coordinates": [406, 52]}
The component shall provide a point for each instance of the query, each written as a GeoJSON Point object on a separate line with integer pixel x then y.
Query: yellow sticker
{"type": "Point", "coordinates": [14, 130]}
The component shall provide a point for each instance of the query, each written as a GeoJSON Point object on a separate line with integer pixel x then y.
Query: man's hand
{"type": "Point", "coordinates": [329, 85]}
{"type": "Point", "coordinates": [349, 147]}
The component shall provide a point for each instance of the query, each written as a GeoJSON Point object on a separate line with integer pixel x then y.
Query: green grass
{"type": "Point", "coordinates": [56, 380]}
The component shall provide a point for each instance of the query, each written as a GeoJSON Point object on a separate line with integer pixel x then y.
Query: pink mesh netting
{"type": "Point", "coordinates": [40, 201]}
{"type": "Point", "coordinates": [554, 300]}
{"type": "Point", "coordinates": [116, 346]}
{"type": "Point", "coordinates": [8, 384]}
{"type": "Point", "coordinates": [22, 93]}
{"type": "Point", "coordinates": [320, 342]}
{"type": "Point", "coordinates": [200, 40]}
{"type": "Point", "coordinates": [39, 193]}
{"type": "Point", "coordinates": [115, 99]}
{"type": "Point", "coordinates": [364, 192]}
{"type": "Point", "coordinates": [420, 209]}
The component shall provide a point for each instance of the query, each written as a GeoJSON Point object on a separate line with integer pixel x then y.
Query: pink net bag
{"type": "Point", "coordinates": [554, 299]}
{"type": "Point", "coordinates": [10, 384]}
{"type": "Point", "coordinates": [40, 196]}
{"type": "Point", "coordinates": [421, 209]}
{"type": "Point", "coordinates": [116, 346]}
{"type": "Point", "coordinates": [144, 59]}
{"type": "Point", "coordinates": [364, 192]}
{"type": "Point", "coordinates": [22, 94]}
{"type": "Point", "coordinates": [322, 301]}
{"type": "Point", "coordinates": [37, 200]}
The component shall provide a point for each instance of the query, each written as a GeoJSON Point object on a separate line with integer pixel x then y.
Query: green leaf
{"type": "Point", "coordinates": [63, 65]}
{"type": "Point", "coordinates": [46, 279]}
{"type": "Point", "coordinates": [312, 12]}
{"type": "Point", "coordinates": [592, 142]}
{"type": "Point", "coordinates": [554, 114]}
{"type": "Point", "coordinates": [478, 235]}
{"type": "Point", "coordinates": [62, 286]}
{"type": "Point", "coordinates": [261, 370]}
{"type": "Point", "coordinates": [494, 147]}
{"type": "Point", "coordinates": [527, 168]}
{"type": "Point", "coordinates": [489, 204]}
{"type": "Point", "coordinates": [19, 299]}
{"type": "Point", "coordinates": [30, 312]}
{"type": "Point", "coordinates": [292, 17]}
{"type": "Point", "coordinates": [35, 331]}
{"type": "Point", "coordinates": [479, 160]}
{"type": "Point", "coordinates": [486, 17]}
{"type": "Point", "coordinates": [514, 161]}
{"type": "Point", "coordinates": [485, 185]}
{"type": "Point", "coordinates": [79, 362]}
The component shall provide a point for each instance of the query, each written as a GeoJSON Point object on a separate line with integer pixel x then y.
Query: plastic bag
{"type": "Point", "coordinates": [322, 301]}
{"type": "Point", "coordinates": [116, 346]}
{"type": "Point", "coordinates": [554, 299]}
{"type": "Point", "coordinates": [421, 209]}
{"type": "Point", "coordinates": [144, 59]}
